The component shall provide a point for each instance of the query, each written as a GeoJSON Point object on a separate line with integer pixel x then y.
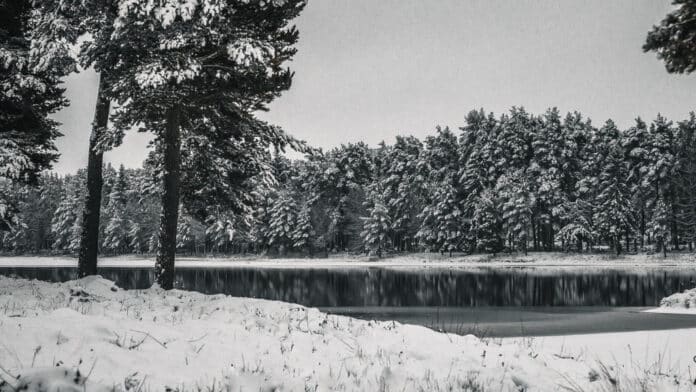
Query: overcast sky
{"type": "Point", "coordinates": [369, 70]}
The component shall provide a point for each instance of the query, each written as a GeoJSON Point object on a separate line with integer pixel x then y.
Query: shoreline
{"type": "Point", "coordinates": [410, 261]}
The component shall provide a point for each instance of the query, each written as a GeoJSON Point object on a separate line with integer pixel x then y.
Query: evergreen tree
{"type": "Point", "coordinates": [202, 65]}
{"type": "Point", "coordinates": [376, 227]}
{"type": "Point", "coordinates": [476, 170]}
{"type": "Point", "coordinates": [672, 39]}
{"type": "Point", "coordinates": [30, 74]}
{"type": "Point", "coordinates": [685, 179]}
{"type": "Point", "coordinates": [614, 210]}
{"type": "Point", "coordinates": [303, 234]}
{"type": "Point", "coordinates": [487, 223]}
{"type": "Point", "coordinates": [404, 188]}
{"type": "Point", "coordinates": [115, 239]}
{"type": "Point", "coordinates": [636, 144]}
{"type": "Point", "coordinates": [659, 226]}
{"type": "Point", "coordinates": [281, 225]}
{"type": "Point", "coordinates": [517, 203]}
{"type": "Point", "coordinates": [66, 220]}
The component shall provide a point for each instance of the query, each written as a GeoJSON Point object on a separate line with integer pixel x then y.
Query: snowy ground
{"type": "Point", "coordinates": [152, 339]}
{"type": "Point", "coordinates": [418, 260]}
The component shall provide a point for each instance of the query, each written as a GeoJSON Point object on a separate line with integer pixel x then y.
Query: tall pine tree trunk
{"type": "Point", "coordinates": [164, 266]}
{"type": "Point", "coordinates": [89, 239]}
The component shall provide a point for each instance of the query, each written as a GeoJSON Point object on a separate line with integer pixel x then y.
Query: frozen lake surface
{"type": "Point", "coordinates": [526, 320]}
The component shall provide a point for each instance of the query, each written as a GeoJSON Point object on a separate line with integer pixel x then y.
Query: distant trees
{"type": "Point", "coordinates": [502, 183]}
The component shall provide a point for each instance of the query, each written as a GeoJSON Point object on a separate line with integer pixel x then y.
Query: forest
{"type": "Point", "coordinates": [195, 76]}
{"type": "Point", "coordinates": [513, 182]}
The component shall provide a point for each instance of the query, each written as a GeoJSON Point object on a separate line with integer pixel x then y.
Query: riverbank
{"type": "Point", "coordinates": [414, 260]}
{"type": "Point", "coordinates": [153, 339]}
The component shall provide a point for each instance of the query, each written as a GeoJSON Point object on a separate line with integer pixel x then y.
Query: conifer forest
{"type": "Point", "coordinates": [500, 183]}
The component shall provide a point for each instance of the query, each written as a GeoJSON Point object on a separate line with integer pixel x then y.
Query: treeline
{"type": "Point", "coordinates": [500, 183]}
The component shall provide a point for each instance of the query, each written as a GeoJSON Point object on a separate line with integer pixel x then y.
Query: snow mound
{"type": "Point", "coordinates": [55, 379]}
{"type": "Point", "coordinates": [684, 302]}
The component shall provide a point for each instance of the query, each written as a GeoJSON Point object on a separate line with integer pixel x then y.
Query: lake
{"type": "Point", "coordinates": [397, 287]}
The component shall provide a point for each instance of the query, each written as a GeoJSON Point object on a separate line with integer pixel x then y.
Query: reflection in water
{"type": "Point", "coordinates": [395, 287]}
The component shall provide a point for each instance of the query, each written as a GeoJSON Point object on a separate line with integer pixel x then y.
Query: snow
{"type": "Point", "coordinates": [627, 354]}
{"type": "Point", "coordinates": [684, 302]}
{"type": "Point", "coordinates": [154, 339]}
{"type": "Point", "coordinates": [419, 260]}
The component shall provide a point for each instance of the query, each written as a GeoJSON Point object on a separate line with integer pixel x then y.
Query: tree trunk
{"type": "Point", "coordinates": [628, 243]}
{"type": "Point", "coordinates": [164, 266]}
{"type": "Point", "coordinates": [89, 238]}
{"type": "Point", "coordinates": [534, 236]}
{"type": "Point", "coordinates": [642, 228]}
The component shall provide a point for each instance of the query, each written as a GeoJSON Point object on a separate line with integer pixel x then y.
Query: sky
{"type": "Point", "coordinates": [370, 70]}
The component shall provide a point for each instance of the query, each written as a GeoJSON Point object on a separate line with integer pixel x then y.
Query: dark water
{"type": "Point", "coordinates": [364, 287]}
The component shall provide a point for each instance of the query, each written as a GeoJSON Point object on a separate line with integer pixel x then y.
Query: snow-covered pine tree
{"type": "Point", "coordinates": [442, 223]}
{"type": "Point", "coordinates": [67, 214]}
{"type": "Point", "coordinates": [663, 169]}
{"type": "Point", "coordinates": [685, 180]}
{"type": "Point", "coordinates": [613, 215]}
{"type": "Point", "coordinates": [476, 168]}
{"type": "Point", "coordinates": [578, 226]}
{"type": "Point", "coordinates": [221, 231]}
{"type": "Point", "coordinates": [115, 239]}
{"type": "Point", "coordinates": [672, 39]}
{"type": "Point", "coordinates": [303, 235]}
{"type": "Point", "coordinates": [199, 64]}
{"type": "Point", "coordinates": [659, 226]}
{"type": "Point", "coordinates": [636, 145]}
{"type": "Point", "coordinates": [487, 223]}
{"type": "Point", "coordinates": [376, 226]}
{"type": "Point", "coordinates": [546, 169]}
{"type": "Point", "coordinates": [190, 233]}
{"type": "Point", "coordinates": [335, 183]}
{"type": "Point", "coordinates": [404, 190]}
{"type": "Point", "coordinates": [30, 74]}
{"type": "Point", "coordinates": [441, 227]}
{"type": "Point", "coordinates": [281, 223]}
{"type": "Point", "coordinates": [517, 202]}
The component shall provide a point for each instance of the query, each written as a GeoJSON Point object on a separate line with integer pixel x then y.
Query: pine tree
{"type": "Point", "coordinates": [659, 226]}
{"type": "Point", "coordinates": [63, 224]}
{"type": "Point", "coordinates": [546, 168]}
{"type": "Point", "coordinates": [190, 232]}
{"type": "Point", "coordinates": [487, 223]}
{"type": "Point", "coordinates": [115, 237]}
{"type": "Point", "coordinates": [404, 187]}
{"type": "Point", "coordinates": [376, 227]}
{"type": "Point", "coordinates": [517, 203]}
{"type": "Point", "coordinates": [283, 215]}
{"type": "Point", "coordinates": [202, 65]}
{"type": "Point", "coordinates": [476, 170]}
{"type": "Point", "coordinates": [685, 179]}
{"type": "Point", "coordinates": [30, 74]}
{"type": "Point", "coordinates": [578, 227]}
{"type": "Point", "coordinates": [614, 210]}
{"type": "Point", "coordinates": [303, 235]}
{"type": "Point", "coordinates": [441, 227]}
{"type": "Point", "coordinates": [672, 39]}
{"type": "Point", "coordinates": [636, 144]}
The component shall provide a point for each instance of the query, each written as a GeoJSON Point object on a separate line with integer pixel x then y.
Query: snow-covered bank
{"type": "Point", "coordinates": [140, 340]}
{"type": "Point", "coordinates": [416, 260]}
{"type": "Point", "coordinates": [684, 302]}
